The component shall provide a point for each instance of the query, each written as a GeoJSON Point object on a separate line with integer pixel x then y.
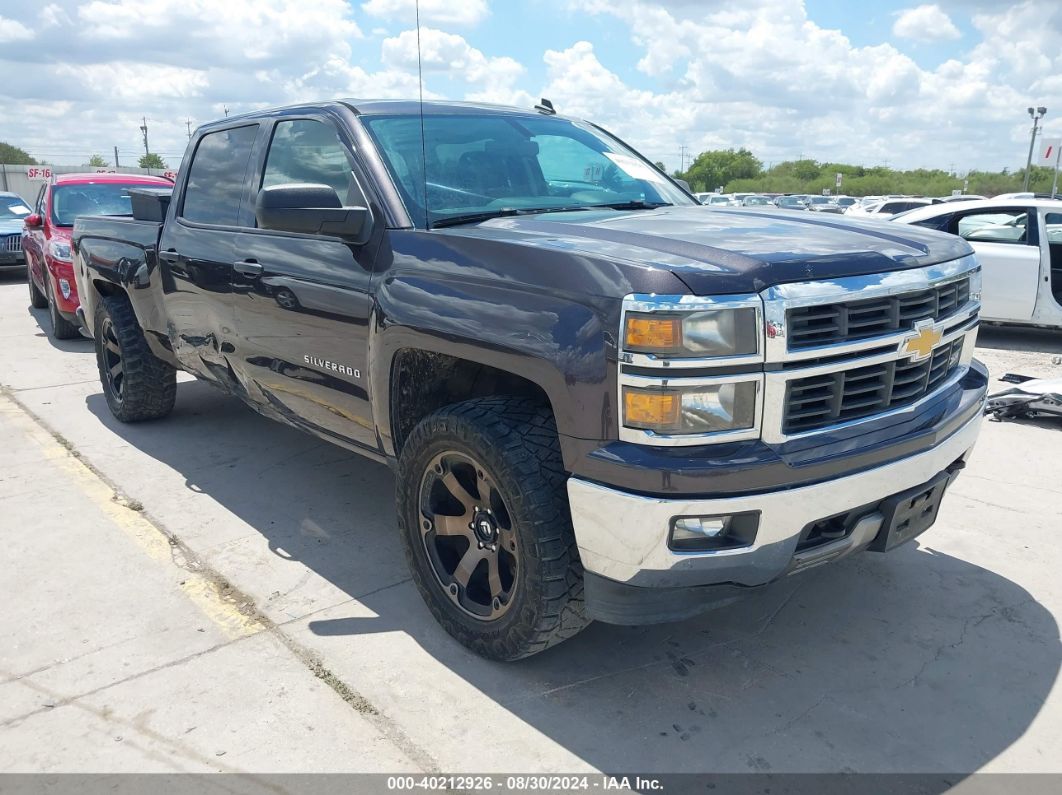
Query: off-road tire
{"type": "Point", "coordinates": [149, 385]}
{"type": "Point", "coordinates": [516, 440]}
{"type": "Point", "coordinates": [62, 329]}
{"type": "Point", "coordinates": [37, 298]}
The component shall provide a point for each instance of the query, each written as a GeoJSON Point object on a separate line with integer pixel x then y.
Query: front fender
{"type": "Point", "coordinates": [565, 346]}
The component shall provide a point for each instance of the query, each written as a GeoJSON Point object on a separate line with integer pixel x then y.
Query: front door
{"type": "Point", "coordinates": [302, 301]}
{"type": "Point", "coordinates": [1007, 244]}
{"type": "Point", "coordinates": [34, 241]}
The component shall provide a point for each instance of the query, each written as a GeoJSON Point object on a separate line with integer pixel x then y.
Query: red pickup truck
{"type": "Point", "coordinates": [46, 237]}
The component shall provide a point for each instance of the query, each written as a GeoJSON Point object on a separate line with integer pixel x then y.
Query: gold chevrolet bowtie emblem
{"type": "Point", "coordinates": [922, 343]}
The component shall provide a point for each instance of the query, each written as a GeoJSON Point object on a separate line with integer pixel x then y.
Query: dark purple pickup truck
{"type": "Point", "coordinates": [601, 399]}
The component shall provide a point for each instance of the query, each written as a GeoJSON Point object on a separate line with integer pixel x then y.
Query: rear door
{"type": "Point", "coordinates": [1007, 243]}
{"type": "Point", "coordinates": [302, 301]}
{"type": "Point", "coordinates": [198, 248]}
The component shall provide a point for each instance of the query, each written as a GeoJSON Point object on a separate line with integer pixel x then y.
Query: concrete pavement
{"type": "Point", "coordinates": [943, 656]}
{"type": "Point", "coordinates": [123, 656]}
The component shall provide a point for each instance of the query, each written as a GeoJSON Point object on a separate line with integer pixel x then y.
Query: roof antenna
{"type": "Point", "coordinates": [423, 144]}
{"type": "Point", "coordinates": [546, 107]}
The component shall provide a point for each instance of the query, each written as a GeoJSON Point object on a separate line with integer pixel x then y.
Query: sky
{"type": "Point", "coordinates": [889, 82]}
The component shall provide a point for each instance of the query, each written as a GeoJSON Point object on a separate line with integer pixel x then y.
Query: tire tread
{"type": "Point", "coordinates": [150, 388]}
{"type": "Point", "coordinates": [523, 431]}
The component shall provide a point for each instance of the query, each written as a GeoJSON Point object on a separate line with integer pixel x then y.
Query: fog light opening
{"type": "Point", "coordinates": [710, 533]}
{"type": "Point", "coordinates": [64, 288]}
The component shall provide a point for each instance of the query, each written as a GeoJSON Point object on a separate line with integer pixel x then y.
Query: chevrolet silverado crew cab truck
{"type": "Point", "coordinates": [600, 400]}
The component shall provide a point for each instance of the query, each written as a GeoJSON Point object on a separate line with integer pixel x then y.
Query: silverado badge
{"type": "Point", "coordinates": [920, 345]}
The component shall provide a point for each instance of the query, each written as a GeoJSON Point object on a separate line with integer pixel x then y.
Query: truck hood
{"type": "Point", "coordinates": [729, 250]}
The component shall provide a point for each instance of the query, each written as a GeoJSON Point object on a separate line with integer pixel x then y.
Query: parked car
{"type": "Point", "coordinates": [790, 203]}
{"type": "Point", "coordinates": [756, 201]}
{"type": "Point", "coordinates": [46, 237]}
{"type": "Point", "coordinates": [12, 210]}
{"type": "Point", "coordinates": [887, 208]}
{"type": "Point", "coordinates": [719, 200]}
{"type": "Point", "coordinates": [960, 197]}
{"type": "Point", "coordinates": [844, 202]}
{"type": "Point", "coordinates": [823, 204]}
{"type": "Point", "coordinates": [1019, 245]}
{"type": "Point", "coordinates": [600, 402]}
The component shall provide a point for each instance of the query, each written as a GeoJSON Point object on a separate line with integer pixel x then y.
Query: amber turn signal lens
{"type": "Point", "coordinates": [652, 333]}
{"type": "Point", "coordinates": [651, 410]}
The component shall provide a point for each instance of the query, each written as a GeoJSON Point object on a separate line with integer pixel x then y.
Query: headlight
{"type": "Point", "coordinates": [727, 406]}
{"type": "Point", "coordinates": [59, 249]}
{"type": "Point", "coordinates": [710, 332]}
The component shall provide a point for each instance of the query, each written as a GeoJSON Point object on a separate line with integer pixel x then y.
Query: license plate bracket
{"type": "Point", "coordinates": [910, 513]}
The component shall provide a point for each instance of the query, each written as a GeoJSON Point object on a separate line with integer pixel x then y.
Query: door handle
{"type": "Point", "coordinates": [169, 255]}
{"type": "Point", "coordinates": [248, 267]}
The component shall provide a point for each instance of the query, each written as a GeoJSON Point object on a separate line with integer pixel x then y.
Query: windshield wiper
{"type": "Point", "coordinates": [505, 212]}
{"type": "Point", "coordinates": [634, 204]}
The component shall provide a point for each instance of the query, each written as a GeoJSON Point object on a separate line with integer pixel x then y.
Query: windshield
{"type": "Point", "coordinates": [790, 201]}
{"type": "Point", "coordinates": [495, 164]}
{"type": "Point", "coordinates": [756, 201]}
{"type": "Point", "coordinates": [70, 201]}
{"type": "Point", "coordinates": [818, 200]}
{"type": "Point", "coordinates": [13, 207]}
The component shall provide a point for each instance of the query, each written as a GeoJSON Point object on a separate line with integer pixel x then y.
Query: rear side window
{"type": "Point", "coordinates": [218, 176]}
{"type": "Point", "coordinates": [305, 150]}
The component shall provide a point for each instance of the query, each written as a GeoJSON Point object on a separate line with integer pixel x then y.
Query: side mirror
{"type": "Point", "coordinates": [310, 209]}
{"type": "Point", "coordinates": [685, 185]}
{"type": "Point", "coordinates": [33, 221]}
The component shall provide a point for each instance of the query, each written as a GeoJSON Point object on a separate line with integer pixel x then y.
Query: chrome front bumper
{"type": "Point", "coordinates": [624, 537]}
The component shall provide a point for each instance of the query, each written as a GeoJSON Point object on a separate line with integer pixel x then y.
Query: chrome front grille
{"type": "Point", "coordinates": [848, 321]}
{"type": "Point", "coordinates": [835, 354]}
{"type": "Point", "coordinates": [11, 243]}
{"type": "Point", "coordinates": [823, 400]}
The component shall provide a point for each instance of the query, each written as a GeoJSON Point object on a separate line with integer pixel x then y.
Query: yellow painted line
{"type": "Point", "coordinates": [203, 592]}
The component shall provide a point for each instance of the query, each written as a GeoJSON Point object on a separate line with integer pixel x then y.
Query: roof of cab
{"type": "Point", "coordinates": [383, 107]}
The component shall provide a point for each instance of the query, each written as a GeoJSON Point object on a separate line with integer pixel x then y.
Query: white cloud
{"type": "Point", "coordinates": [701, 73]}
{"type": "Point", "coordinates": [449, 53]}
{"type": "Point", "coordinates": [443, 12]}
{"type": "Point", "coordinates": [925, 23]}
{"type": "Point", "coordinates": [764, 75]}
{"type": "Point", "coordinates": [13, 30]}
{"type": "Point", "coordinates": [134, 81]}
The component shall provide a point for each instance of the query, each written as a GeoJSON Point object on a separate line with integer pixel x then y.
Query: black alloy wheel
{"type": "Point", "coordinates": [112, 367]}
{"type": "Point", "coordinates": [468, 535]}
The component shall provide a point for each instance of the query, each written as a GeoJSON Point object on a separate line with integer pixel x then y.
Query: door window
{"type": "Point", "coordinates": [309, 151]}
{"type": "Point", "coordinates": [218, 176]}
{"type": "Point", "coordinates": [1053, 228]}
{"type": "Point", "coordinates": [994, 226]}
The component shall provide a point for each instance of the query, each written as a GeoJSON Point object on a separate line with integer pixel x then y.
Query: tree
{"type": "Point", "coordinates": [717, 167]}
{"type": "Point", "coordinates": [660, 167]}
{"type": "Point", "coordinates": [14, 156]}
{"type": "Point", "coordinates": [151, 160]}
{"type": "Point", "coordinates": [96, 161]}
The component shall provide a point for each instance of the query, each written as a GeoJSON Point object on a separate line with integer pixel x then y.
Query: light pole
{"type": "Point", "coordinates": [1037, 114]}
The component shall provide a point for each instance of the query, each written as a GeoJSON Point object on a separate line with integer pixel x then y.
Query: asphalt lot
{"type": "Point", "coordinates": [941, 657]}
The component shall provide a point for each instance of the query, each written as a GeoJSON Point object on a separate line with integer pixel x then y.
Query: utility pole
{"type": "Point", "coordinates": [143, 129]}
{"type": "Point", "coordinates": [116, 157]}
{"type": "Point", "coordinates": [226, 109]}
{"type": "Point", "coordinates": [188, 124]}
{"type": "Point", "coordinates": [682, 158]}
{"type": "Point", "coordinates": [1036, 114]}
